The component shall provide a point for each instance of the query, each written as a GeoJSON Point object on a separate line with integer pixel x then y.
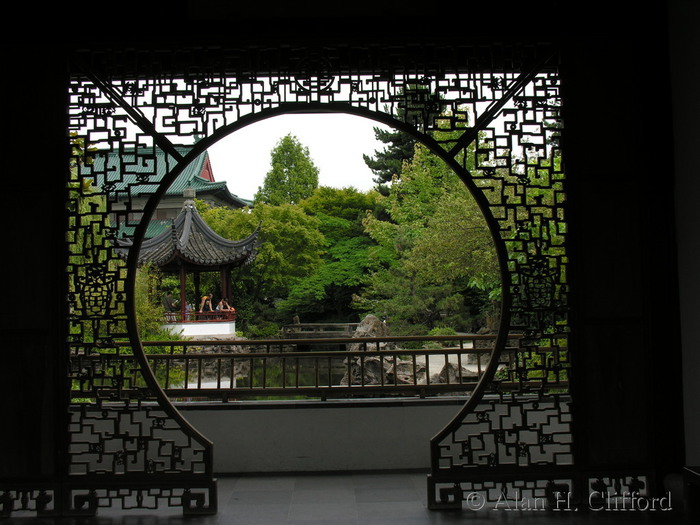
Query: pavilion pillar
{"type": "Point", "coordinates": [225, 274]}
{"type": "Point", "coordinates": [198, 295]}
{"type": "Point", "coordinates": [183, 295]}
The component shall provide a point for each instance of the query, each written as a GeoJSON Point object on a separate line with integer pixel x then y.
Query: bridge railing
{"type": "Point", "coordinates": [323, 368]}
{"type": "Point", "coordinates": [314, 330]}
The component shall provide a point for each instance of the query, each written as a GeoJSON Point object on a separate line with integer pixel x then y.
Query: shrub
{"type": "Point", "coordinates": [438, 331]}
{"type": "Point", "coordinates": [442, 330]}
{"type": "Point", "coordinates": [264, 330]}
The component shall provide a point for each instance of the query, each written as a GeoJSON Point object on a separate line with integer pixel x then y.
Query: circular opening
{"type": "Point", "coordinates": [404, 243]}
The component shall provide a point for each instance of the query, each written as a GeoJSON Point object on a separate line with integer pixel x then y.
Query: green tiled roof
{"type": "Point", "coordinates": [190, 241]}
{"type": "Point", "coordinates": [155, 227]}
{"type": "Point", "coordinates": [129, 171]}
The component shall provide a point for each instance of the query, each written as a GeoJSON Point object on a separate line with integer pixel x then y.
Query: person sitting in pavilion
{"type": "Point", "coordinates": [223, 306]}
{"type": "Point", "coordinates": [170, 306]}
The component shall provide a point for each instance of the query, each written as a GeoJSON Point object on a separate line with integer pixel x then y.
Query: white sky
{"type": "Point", "coordinates": [336, 143]}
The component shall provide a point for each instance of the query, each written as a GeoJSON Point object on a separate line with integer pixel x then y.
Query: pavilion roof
{"type": "Point", "coordinates": [191, 242]}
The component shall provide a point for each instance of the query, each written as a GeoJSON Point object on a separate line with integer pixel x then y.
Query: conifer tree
{"type": "Point", "coordinates": [388, 162]}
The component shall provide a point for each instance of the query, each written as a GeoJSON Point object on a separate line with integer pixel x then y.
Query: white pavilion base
{"type": "Point", "coordinates": [203, 329]}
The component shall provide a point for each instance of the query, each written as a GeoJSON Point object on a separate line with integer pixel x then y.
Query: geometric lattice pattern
{"type": "Point", "coordinates": [492, 114]}
{"type": "Point", "coordinates": [125, 441]}
{"type": "Point", "coordinates": [514, 430]}
{"type": "Point", "coordinates": [34, 501]}
{"type": "Point", "coordinates": [537, 493]}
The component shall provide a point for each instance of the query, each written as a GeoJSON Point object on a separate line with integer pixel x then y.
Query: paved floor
{"type": "Point", "coordinates": [347, 499]}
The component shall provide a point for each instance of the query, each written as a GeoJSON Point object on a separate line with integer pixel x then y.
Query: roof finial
{"type": "Point", "coordinates": [189, 194]}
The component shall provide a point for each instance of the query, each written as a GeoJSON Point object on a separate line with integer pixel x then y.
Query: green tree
{"type": "Point", "coordinates": [148, 291]}
{"type": "Point", "coordinates": [344, 203]}
{"type": "Point", "coordinates": [456, 245]}
{"type": "Point", "coordinates": [290, 249]}
{"type": "Point", "coordinates": [326, 295]}
{"type": "Point", "coordinates": [388, 162]}
{"type": "Point", "coordinates": [292, 177]}
{"type": "Point", "coordinates": [444, 259]}
{"type": "Point", "coordinates": [412, 305]}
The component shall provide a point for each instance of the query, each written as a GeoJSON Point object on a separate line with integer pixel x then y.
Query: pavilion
{"type": "Point", "coordinates": [191, 246]}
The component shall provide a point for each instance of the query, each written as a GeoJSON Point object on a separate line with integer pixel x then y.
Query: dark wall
{"type": "Point", "coordinates": [685, 74]}
{"type": "Point", "coordinates": [619, 163]}
{"type": "Point", "coordinates": [33, 100]}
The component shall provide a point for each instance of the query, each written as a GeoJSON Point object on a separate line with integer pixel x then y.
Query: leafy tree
{"type": "Point", "coordinates": [350, 254]}
{"type": "Point", "coordinates": [412, 201]}
{"type": "Point", "coordinates": [293, 175]}
{"type": "Point", "coordinates": [444, 259]}
{"type": "Point", "coordinates": [290, 249]}
{"type": "Point", "coordinates": [346, 203]}
{"type": "Point", "coordinates": [413, 306]}
{"type": "Point", "coordinates": [149, 309]}
{"type": "Point", "coordinates": [456, 245]}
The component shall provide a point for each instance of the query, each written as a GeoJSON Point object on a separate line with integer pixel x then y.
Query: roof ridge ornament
{"type": "Point", "coordinates": [189, 194]}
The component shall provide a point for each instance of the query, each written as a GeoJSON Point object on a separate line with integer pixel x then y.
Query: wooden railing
{"type": "Point", "coordinates": [200, 317]}
{"type": "Point", "coordinates": [332, 368]}
{"type": "Point", "coordinates": [318, 330]}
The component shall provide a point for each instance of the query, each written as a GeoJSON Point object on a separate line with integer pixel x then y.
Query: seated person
{"type": "Point", "coordinates": [170, 306]}
{"type": "Point", "coordinates": [223, 305]}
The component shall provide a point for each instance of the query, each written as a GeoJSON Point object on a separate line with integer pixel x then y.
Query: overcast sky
{"type": "Point", "coordinates": [336, 143]}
